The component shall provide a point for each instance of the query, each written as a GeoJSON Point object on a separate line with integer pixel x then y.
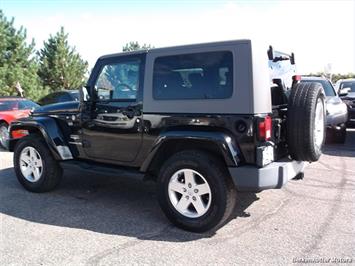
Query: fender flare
{"type": "Point", "coordinates": [50, 132]}
{"type": "Point", "coordinates": [224, 142]}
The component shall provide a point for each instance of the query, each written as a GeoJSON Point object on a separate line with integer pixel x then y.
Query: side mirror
{"type": "Point", "coordinates": [84, 94]}
{"type": "Point", "coordinates": [344, 91]}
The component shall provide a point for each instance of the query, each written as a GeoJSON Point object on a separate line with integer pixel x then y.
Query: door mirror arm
{"type": "Point", "coordinates": [84, 94]}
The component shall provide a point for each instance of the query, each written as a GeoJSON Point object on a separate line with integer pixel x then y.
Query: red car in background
{"type": "Point", "coordinates": [12, 108]}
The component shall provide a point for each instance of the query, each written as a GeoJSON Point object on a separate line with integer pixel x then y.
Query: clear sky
{"type": "Point", "coordinates": [321, 33]}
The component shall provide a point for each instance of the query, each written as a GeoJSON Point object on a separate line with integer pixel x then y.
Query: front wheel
{"type": "Point", "coordinates": [35, 167]}
{"type": "Point", "coordinates": [195, 192]}
{"type": "Point", "coordinates": [4, 135]}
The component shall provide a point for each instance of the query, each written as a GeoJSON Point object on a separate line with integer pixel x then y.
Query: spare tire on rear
{"type": "Point", "coordinates": [306, 121]}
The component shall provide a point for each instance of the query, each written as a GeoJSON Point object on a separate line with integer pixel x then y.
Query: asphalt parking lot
{"type": "Point", "coordinates": [100, 220]}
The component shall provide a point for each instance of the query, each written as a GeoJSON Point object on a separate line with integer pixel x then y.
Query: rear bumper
{"type": "Point", "coordinates": [351, 120]}
{"type": "Point", "coordinates": [274, 175]}
{"type": "Point", "coordinates": [352, 114]}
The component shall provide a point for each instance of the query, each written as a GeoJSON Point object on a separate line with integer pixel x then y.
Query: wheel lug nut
{"type": "Point", "coordinates": [189, 185]}
{"type": "Point", "coordinates": [184, 189]}
{"type": "Point", "coordinates": [196, 190]}
{"type": "Point", "coordinates": [194, 198]}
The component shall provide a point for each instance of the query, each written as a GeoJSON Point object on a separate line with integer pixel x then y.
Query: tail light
{"type": "Point", "coordinates": [265, 125]}
{"type": "Point", "coordinates": [296, 78]}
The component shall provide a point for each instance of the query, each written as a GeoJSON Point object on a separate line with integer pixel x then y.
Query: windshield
{"type": "Point", "coordinates": [327, 86]}
{"type": "Point", "coordinates": [75, 95]}
{"type": "Point", "coordinates": [348, 84]}
{"type": "Point", "coordinates": [14, 105]}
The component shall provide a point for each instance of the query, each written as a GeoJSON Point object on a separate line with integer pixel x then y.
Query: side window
{"type": "Point", "coordinates": [206, 75]}
{"type": "Point", "coordinates": [118, 81]}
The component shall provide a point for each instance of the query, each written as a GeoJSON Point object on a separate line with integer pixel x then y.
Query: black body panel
{"type": "Point", "coordinates": [64, 108]}
{"type": "Point", "coordinates": [50, 130]}
{"type": "Point", "coordinates": [211, 129]}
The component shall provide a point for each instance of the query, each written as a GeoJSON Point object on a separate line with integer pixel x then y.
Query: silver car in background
{"type": "Point", "coordinates": [346, 90]}
{"type": "Point", "coordinates": [337, 113]}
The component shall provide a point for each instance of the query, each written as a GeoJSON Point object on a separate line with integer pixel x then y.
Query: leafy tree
{"type": "Point", "coordinates": [135, 46]}
{"type": "Point", "coordinates": [333, 77]}
{"type": "Point", "coordinates": [60, 67]}
{"type": "Point", "coordinates": [18, 65]}
{"type": "Point", "coordinates": [336, 77]}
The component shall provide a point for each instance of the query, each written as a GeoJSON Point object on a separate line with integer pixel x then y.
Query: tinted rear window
{"type": "Point", "coordinates": [27, 105]}
{"type": "Point", "coordinates": [74, 95]}
{"type": "Point", "coordinates": [8, 105]}
{"type": "Point", "coordinates": [17, 105]}
{"type": "Point", "coordinates": [64, 97]}
{"type": "Point", "coordinates": [193, 76]}
{"type": "Point", "coordinates": [49, 99]}
{"type": "Point", "coordinates": [59, 97]}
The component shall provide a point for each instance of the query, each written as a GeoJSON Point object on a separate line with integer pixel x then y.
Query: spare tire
{"type": "Point", "coordinates": [306, 121]}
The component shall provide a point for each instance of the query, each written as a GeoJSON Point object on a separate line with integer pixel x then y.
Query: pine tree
{"type": "Point", "coordinates": [60, 66]}
{"type": "Point", "coordinates": [18, 65]}
{"type": "Point", "coordinates": [135, 46]}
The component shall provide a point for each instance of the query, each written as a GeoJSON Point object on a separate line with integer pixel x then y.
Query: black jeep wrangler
{"type": "Point", "coordinates": [202, 120]}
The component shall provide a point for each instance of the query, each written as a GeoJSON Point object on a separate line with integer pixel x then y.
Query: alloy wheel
{"type": "Point", "coordinates": [189, 193]}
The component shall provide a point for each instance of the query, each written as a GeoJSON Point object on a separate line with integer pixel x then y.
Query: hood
{"type": "Point", "coordinates": [333, 100]}
{"type": "Point", "coordinates": [350, 95]}
{"type": "Point", "coordinates": [57, 108]}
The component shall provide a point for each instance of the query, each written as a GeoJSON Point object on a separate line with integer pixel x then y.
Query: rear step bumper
{"type": "Point", "coordinates": [274, 175]}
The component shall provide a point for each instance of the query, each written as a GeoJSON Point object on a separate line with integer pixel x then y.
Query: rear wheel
{"type": "Point", "coordinates": [195, 192]}
{"type": "Point", "coordinates": [35, 167]}
{"type": "Point", "coordinates": [306, 122]}
{"type": "Point", "coordinates": [4, 135]}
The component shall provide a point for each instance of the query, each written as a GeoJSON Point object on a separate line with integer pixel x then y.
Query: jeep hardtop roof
{"type": "Point", "coordinates": [177, 47]}
{"type": "Point", "coordinates": [251, 78]}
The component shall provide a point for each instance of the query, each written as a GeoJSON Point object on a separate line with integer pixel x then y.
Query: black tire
{"type": "Point", "coordinates": [51, 170]}
{"type": "Point", "coordinates": [3, 143]}
{"type": "Point", "coordinates": [223, 192]}
{"type": "Point", "coordinates": [336, 135]}
{"type": "Point", "coordinates": [301, 114]}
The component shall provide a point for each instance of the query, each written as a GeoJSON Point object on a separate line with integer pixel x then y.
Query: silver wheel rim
{"type": "Point", "coordinates": [189, 193]}
{"type": "Point", "coordinates": [319, 124]}
{"type": "Point", "coordinates": [31, 164]}
{"type": "Point", "coordinates": [4, 136]}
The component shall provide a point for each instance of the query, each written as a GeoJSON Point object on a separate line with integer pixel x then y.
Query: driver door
{"type": "Point", "coordinates": [112, 132]}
